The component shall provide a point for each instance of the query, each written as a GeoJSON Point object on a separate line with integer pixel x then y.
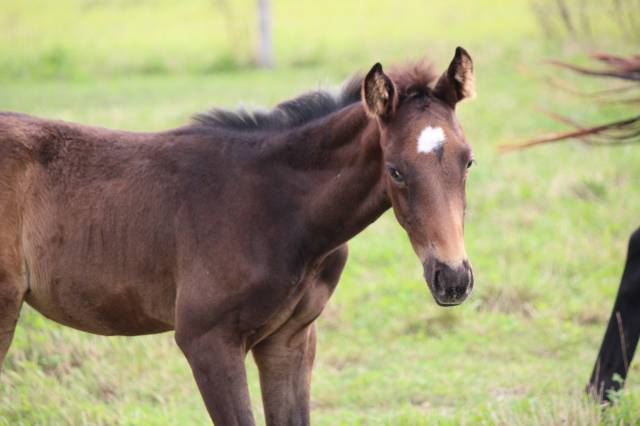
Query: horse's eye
{"type": "Point", "coordinates": [395, 174]}
{"type": "Point", "coordinates": [470, 163]}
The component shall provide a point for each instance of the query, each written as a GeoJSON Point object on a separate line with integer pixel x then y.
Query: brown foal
{"type": "Point", "coordinates": [232, 230]}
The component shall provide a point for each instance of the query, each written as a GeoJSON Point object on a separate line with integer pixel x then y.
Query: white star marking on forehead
{"type": "Point", "coordinates": [430, 139]}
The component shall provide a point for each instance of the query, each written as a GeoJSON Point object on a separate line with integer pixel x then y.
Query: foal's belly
{"type": "Point", "coordinates": [101, 307]}
{"type": "Point", "coordinates": [77, 305]}
{"type": "Point", "coordinates": [100, 296]}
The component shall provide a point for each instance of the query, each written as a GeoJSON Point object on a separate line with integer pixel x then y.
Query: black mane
{"type": "Point", "coordinates": [410, 79]}
{"type": "Point", "coordinates": [288, 114]}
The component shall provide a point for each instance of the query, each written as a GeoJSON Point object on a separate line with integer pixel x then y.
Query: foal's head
{"type": "Point", "coordinates": [427, 158]}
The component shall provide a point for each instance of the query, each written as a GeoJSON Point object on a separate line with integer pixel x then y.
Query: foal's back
{"type": "Point", "coordinates": [87, 221]}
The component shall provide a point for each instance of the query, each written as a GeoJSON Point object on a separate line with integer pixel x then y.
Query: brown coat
{"type": "Point", "coordinates": [230, 230]}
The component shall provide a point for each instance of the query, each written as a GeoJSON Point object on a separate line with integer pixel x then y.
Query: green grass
{"type": "Point", "coordinates": [546, 229]}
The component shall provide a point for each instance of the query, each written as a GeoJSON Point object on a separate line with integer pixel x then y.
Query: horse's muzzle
{"type": "Point", "coordinates": [449, 286]}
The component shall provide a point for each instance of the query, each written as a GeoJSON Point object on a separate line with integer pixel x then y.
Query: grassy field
{"type": "Point", "coordinates": [546, 229]}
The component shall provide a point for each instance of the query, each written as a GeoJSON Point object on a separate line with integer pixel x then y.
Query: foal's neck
{"type": "Point", "coordinates": [339, 159]}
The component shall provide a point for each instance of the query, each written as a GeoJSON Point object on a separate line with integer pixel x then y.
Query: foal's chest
{"type": "Point", "coordinates": [307, 298]}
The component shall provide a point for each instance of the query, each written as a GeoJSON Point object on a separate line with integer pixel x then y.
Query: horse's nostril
{"type": "Point", "coordinates": [438, 284]}
{"type": "Point", "coordinates": [455, 292]}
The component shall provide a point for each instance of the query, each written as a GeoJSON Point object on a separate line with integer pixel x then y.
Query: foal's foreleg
{"type": "Point", "coordinates": [207, 334]}
{"type": "Point", "coordinates": [285, 361]}
{"type": "Point", "coordinates": [623, 330]}
{"type": "Point", "coordinates": [217, 361]}
{"type": "Point", "coordinates": [11, 297]}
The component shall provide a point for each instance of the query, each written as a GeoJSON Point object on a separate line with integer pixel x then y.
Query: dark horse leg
{"type": "Point", "coordinates": [285, 359]}
{"type": "Point", "coordinates": [622, 333]}
{"type": "Point", "coordinates": [207, 334]}
{"type": "Point", "coordinates": [11, 297]}
{"type": "Point", "coordinates": [217, 361]}
{"type": "Point", "coordinates": [285, 364]}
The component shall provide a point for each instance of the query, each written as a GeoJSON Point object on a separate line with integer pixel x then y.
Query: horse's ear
{"type": "Point", "coordinates": [457, 83]}
{"type": "Point", "coordinates": [379, 93]}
